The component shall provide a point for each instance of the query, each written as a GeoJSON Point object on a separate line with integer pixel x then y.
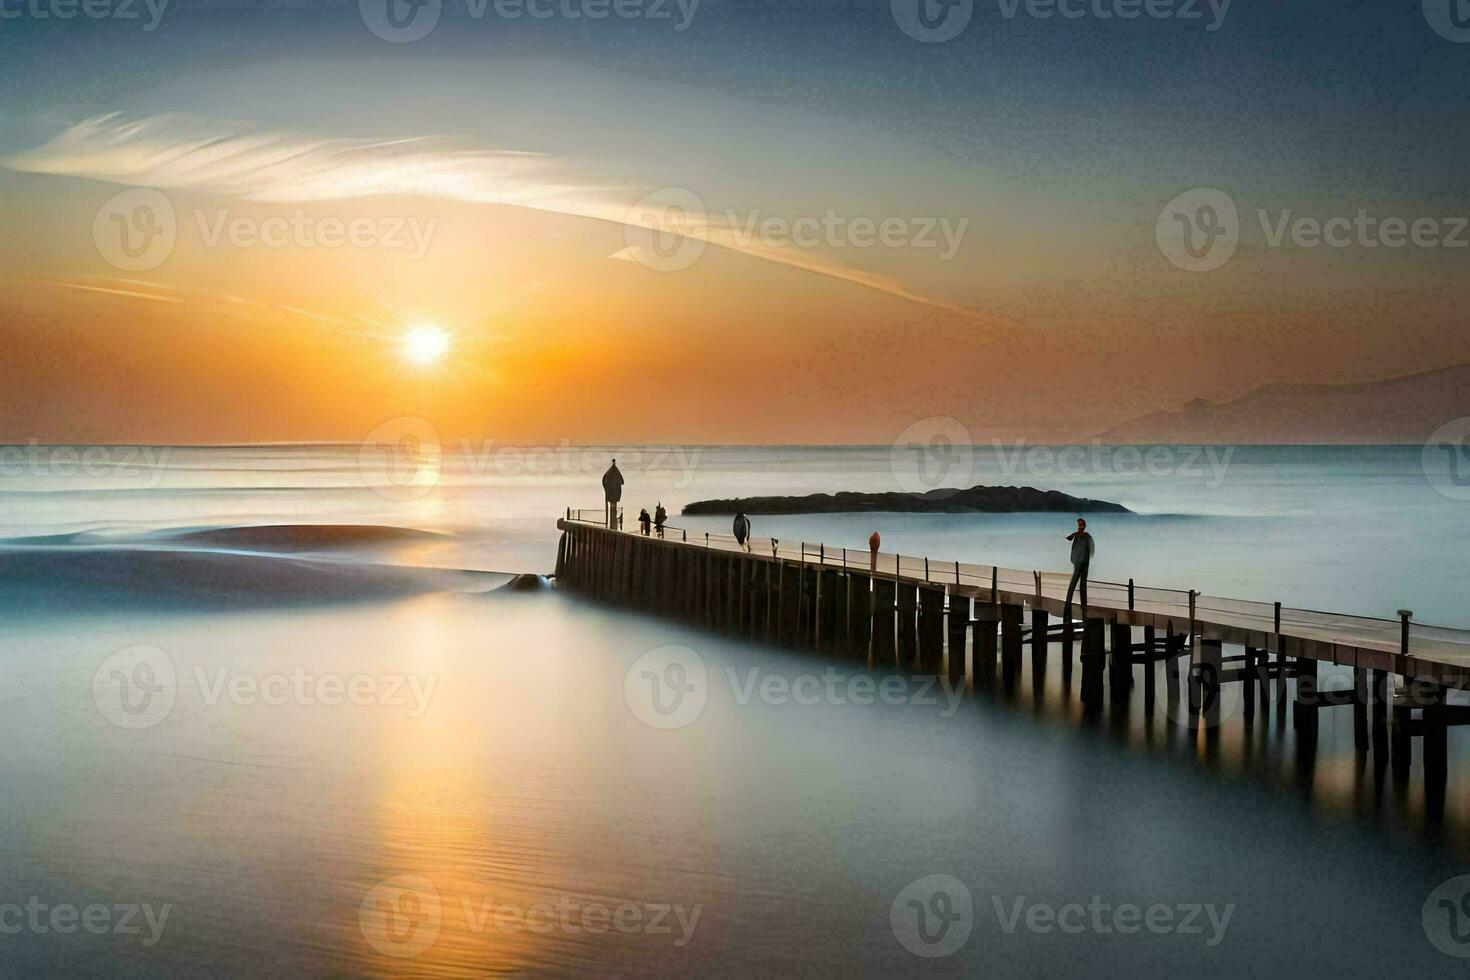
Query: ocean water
{"type": "Point", "coordinates": [248, 753]}
{"type": "Point", "coordinates": [1365, 530]}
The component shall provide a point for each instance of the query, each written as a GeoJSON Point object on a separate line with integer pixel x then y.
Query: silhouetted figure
{"type": "Point", "coordinates": [742, 528]}
{"type": "Point", "coordinates": [1082, 548]}
{"type": "Point", "coordinates": [644, 521]}
{"type": "Point", "coordinates": [612, 492]}
{"type": "Point", "coordinates": [660, 516]}
{"type": "Point", "coordinates": [873, 543]}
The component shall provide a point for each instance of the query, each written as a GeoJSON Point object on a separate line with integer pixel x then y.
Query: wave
{"type": "Point", "coordinates": [251, 537]}
{"type": "Point", "coordinates": [301, 537]}
{"type": "Point", "coordinates": [191, 570]}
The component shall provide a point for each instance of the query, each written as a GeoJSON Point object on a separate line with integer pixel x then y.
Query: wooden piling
{"type": "Point", "coordinates": [1248, 682]}
{"type": "Point", "coordinates": [959, 631]}
{"type": "Point", "coordinates": [1120, 662]}
{"type": "Point", "coordinates": [1149, 665]}
{"type": "Point", "coordinates": [1093, 656]}
{"type": "Point", "coordinates": [859, 613]}
{"type": "Point", "coordinates": [987, 642]}
{"type": "Point", "coordinates": [1206, 685]}
{"type": "Point", "coordinates": [1360, 709]}
{"type": "Point", "coordinates": [829, 593]}
{"type": "Point", "coordinates": [1304, 710]}
{"type": "Point", "coordinates": [1040, 624]}
{"type": "Point", "coordinates": [907, 608]}
{"type": "Point", "coordinates": [931, 629]}
{"type": "Point", "coordinates": [1435, 728]}
{"type": "Point", "coordinates": [1011, 616]}
{"type": "Point", "coordinates": [884, 596]}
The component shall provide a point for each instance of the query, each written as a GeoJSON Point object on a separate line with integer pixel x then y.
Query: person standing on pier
{"type": "Point", "coordinates": [1082, 549]}
{"type": "Point", "coordinates": [660, 517]}
{"type": "Point", "coordinates": [742, 528]}
{"type": "Point", "coordinates": [612, 492]}
{"type": "Point", "coordinates": [644, 521]}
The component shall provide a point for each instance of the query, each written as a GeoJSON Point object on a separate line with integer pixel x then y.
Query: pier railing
{"type": "Point", "coordinates": [1402, 646]}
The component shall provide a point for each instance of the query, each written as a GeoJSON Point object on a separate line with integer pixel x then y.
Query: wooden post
{"type": "Point", "coordinates": [1093, 656]}
{"type": "Point", "coordinates": [1120, 663]}
{"type": "Point", "coordinates": [1380, 704]}
{"type": "Point", "coordinates": [820, 636]}
{"type": "Point", "coordinates": [1404, 616]}
{"type": "Point", "coordinates": [1149, 665]}
{"type": "Point", "coordinates": [1173, 652]}
{"type": "Point", "coordinates": [1307, 700]}
{"type": "Point", "coordinates": [1010, 642]}
{"type": "Point", "coordinates": [1248, 682]}
{"type": "Point", "coordinates": [1435, 727]}
{"type": "Point", "coordinates": [931, 629]}
{"type": "Point", "coordinates": [908, 611]}
{"type": "Point", "coordinates": [859, 618]}
{"type": "Point", "coordinates": [959, 630]}
{"type": "Point", "coordinates": [829, 593]}
{"type": "Point", "coordinates": [1263, 675]}
{"type": "Point", "coordinates": [1400, 742]}
{"type": "Point", "coordinates": [884, 594]}
{"type": "Point", "coordinates": [1360, 708]}
{"type": "Point", "coordinates": [783, 602]}
{"type": "Point", "coordinates": [986, 645]}
{"type": "Point", "coordinates": [1400, 738]}
{"type": "Point", "coordinates": [1206, 687]}
{"type": "Point", "coordinates": [806, 620]}
{"type": "Point", "coordinates": [736, 594]}
{"type": "Point", "coordinates": [1040, 623]}
{"type": "Point", "coordinates": [1280, 660]}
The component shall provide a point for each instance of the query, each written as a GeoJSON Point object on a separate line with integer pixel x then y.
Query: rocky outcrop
{"type": "Point", "coordinates": [975, 500]}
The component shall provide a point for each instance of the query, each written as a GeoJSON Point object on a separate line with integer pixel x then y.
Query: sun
{"type": "Point", "coordinates": [424, 344]}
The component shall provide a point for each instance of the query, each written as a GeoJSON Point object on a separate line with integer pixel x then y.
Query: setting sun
{"type": "Point", "coordinates": [425, 344]}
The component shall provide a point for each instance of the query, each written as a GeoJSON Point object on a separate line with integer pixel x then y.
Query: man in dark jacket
{"type": "Point", "coordinates": [742, 528]}
{"type": "Point", "coordinates": [612, 492]}
{"type": "Point", "coordinates": [1082, 549]}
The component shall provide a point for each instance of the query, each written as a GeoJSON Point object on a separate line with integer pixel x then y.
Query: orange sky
{"type": "Point", "coordinates": [1055, 317]}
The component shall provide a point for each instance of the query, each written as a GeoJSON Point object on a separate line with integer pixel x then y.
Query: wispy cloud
{"type": "Point", "coordinates": [189, 152]}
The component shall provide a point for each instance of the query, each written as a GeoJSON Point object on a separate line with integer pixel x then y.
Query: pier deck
{"type": "Point", "coordinates": [1438, 655]}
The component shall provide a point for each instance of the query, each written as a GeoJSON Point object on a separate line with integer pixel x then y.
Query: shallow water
{"type": "Point", "coordinates": [406, 773]}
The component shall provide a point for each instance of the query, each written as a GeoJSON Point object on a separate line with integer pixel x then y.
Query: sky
{"type": "Point", "coordinates": [718, 221]}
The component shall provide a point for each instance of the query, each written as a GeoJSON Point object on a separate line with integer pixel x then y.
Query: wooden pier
{"type": "Point", "coordinates": [963, 620]}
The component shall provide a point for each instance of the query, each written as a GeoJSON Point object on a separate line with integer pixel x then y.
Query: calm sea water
{"type": "Point", "coordinates": [357, 759]}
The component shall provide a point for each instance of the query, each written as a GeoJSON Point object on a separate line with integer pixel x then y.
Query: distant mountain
{"type": "Point", "coordinates": [1396, 410]}
{"type": "Point", "coordinates": [978, 499]}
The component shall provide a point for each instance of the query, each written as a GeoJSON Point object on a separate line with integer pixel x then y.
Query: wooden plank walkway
{"type": "Point", "coordinates": [1439, 655]}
